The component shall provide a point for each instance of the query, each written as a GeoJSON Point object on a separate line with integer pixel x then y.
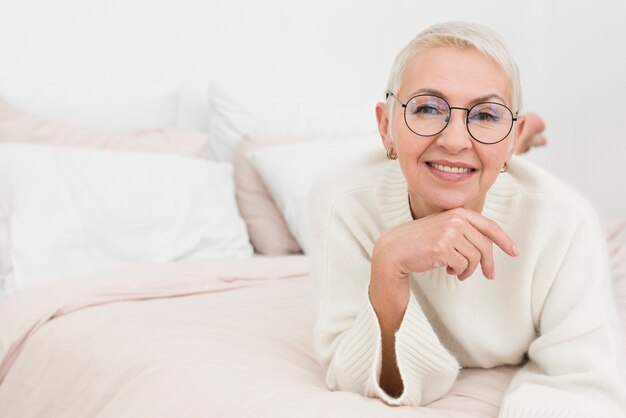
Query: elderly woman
{"type": "Point", "coordinates": [398, 242]}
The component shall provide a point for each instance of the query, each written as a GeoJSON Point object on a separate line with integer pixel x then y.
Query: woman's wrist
{"type": "Point", "coordinates": [385, 259]}
{"type": "Point", "coordinates": [389, 288]}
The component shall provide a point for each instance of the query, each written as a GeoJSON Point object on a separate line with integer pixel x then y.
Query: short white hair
{"type": "Point", "coordinates": [462, 35]}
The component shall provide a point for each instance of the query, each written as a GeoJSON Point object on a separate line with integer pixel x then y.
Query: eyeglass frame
{"type": "Point", "coordinates": [514, 116]}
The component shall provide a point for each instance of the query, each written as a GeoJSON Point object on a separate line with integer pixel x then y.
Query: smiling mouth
{"type": "Point", "coordinates": [449, 169]}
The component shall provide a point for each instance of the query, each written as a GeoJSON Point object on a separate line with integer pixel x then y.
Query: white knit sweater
{"type": "Point", "coordinates": [552, 305]}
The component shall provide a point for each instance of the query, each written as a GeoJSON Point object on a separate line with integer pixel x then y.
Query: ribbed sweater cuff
{"type": "Point", "coordinates": [363, 351]}
{"type": "Point", "coordinates": [427, 369]}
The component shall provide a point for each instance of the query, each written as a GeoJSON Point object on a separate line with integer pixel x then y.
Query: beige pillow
{"type": "Point", "coordinates": [267, 228]}
{"type": "Point", "coordinates": [19, 126]}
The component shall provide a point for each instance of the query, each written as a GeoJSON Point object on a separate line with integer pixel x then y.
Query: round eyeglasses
{"type": "Point", "coordinates": [429, 115]}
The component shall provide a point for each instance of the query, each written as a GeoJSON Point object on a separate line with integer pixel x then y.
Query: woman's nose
{"type": "Point", "coordinates": [455, 137]}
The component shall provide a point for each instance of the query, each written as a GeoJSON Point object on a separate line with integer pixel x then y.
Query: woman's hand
{"type": "Point", "coordinates": [458, 239]}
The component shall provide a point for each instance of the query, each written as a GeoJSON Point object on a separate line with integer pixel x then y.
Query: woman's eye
{"type": "Point", "coordinates": [426, 110]}
{"type": "Point", "coordinates": [485, 117]}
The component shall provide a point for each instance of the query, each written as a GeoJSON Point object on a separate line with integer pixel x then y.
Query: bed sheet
{"type": "Point", "coordinates": [193, 339]}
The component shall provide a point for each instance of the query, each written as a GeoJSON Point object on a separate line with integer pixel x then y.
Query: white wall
{"type": "Point", "coordinates": [571, 57]}
{"type": "Point", "coordinates": [584, 100]}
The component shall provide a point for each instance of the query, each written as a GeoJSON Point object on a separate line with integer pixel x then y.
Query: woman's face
{"type": "Point", "coordinates": [463, 77]}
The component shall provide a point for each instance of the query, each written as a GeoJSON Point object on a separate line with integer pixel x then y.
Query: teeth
{"type": "Point", "coordinates": [450, 169]}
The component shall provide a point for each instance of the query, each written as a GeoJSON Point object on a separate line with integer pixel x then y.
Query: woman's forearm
{"type": "Point", "coordinates": [389, 297]}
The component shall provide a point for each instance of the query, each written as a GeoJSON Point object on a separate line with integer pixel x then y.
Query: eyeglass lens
{"type": "Point", "coordinates": [487, 122]}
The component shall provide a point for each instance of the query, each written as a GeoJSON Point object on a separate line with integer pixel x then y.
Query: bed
{"type": "Point", "coordinates": [199, 338]}
{"type": "Point", "coordinates": [188, 339]}
{"type": "Point", "coordinates": [163, 272]}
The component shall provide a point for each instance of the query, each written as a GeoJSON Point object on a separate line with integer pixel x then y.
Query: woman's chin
{"type": "Point", "coordinates": [454, 201]}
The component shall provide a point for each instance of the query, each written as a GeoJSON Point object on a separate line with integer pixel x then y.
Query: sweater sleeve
{"type": "Point", "coordinates": [574, 367]}
{"type": "Point", "coordinates": [348, 336]}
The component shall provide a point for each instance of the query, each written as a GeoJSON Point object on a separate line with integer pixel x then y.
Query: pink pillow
{"type": "Point", "coordinates": [19, 126]}
{"type": "Point", "coordinates": [267, 228]}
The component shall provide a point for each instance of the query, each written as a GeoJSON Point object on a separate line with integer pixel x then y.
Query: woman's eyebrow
{"type": "Point", "coordinates": [489, 97]}
{"type": "Point", "coordinates": [428, 91]}
{"type": "Point", "coordinates": [485, 98]}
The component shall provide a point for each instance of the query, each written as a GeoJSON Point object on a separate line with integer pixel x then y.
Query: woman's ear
{"type": "Point", "coordinates": [519, 135]}
{"type": "Point", "coordinates": [384, 125]}
{"type": "Point", "coordinates": [531, 134]}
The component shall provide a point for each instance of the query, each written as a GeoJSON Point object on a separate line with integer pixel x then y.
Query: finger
{"type": "Point", "coordinates": [490, 229]}
{"type": "Point", "coordinates": [485, 246]}
{"type": "Point", "coordinates": [471, 254]}
{"type": "Point", "coordinates": [456, 263]}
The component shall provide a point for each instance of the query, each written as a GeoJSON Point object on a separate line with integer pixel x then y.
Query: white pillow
{"type": "Point", "coordinates": [235, 114]}
{"type": "Point", "coordinates": [74, 211]}
{"type": "Point", "coordinates": [102, 100]}
{"type": "Point", "coordinates": [290, 170]}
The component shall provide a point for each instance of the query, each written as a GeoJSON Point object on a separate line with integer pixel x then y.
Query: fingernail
{"type": "Point", "coordinates": [515, 251]}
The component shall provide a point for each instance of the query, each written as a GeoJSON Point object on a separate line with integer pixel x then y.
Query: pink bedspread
{"type": "Point", "coordinates": [195, 339]}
